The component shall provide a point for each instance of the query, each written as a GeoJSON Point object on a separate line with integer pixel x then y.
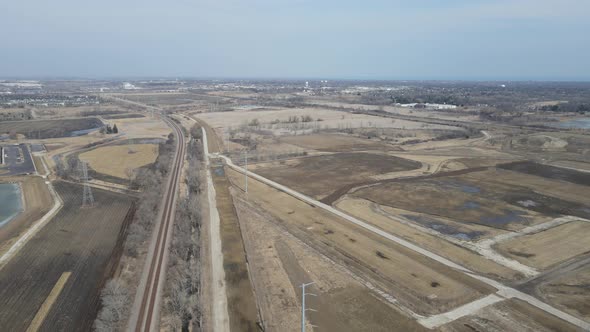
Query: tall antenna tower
{"type": "Point", "coordinates": [87, 197]}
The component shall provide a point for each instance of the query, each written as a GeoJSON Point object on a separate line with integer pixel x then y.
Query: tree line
{"type": "Point", "coordinates": [183, 283]}
{"type": "Point", "coordinates": [116, 297]}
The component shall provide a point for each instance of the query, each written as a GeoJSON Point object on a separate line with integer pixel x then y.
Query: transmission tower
{"type": "Point", "coordinates": [87, 197]}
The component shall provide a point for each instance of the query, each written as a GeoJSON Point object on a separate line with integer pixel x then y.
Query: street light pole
{"type": "Point", "coordinates": [246, 169]}
{"type": "Point", "coordinates": [303, 309]}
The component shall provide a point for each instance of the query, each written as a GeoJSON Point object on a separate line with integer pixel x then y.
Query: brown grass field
{"type": "Point", "coordinates": [489, 197]}
{"type": "Point", "coordinates": [336, 143]}
{"type": "Point", "coordinates": [423, 285]}
{"type": "Point", "coordinates": [549, 247]}
{"type": "Point", "coordinates": [240, 297]}
{"type": "Point", "coordinates": [279, 263]}
{"type": "Point", "coordinates": [569, 292]}
{"type": "Point", "coordinates": [319, 176]}
{"type": "Point", "coordinates": [118, 160]}
{"type": "Point", "coordinates": [378, 216]}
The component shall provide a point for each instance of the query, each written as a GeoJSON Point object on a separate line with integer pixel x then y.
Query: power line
{"type": "Point", "coordinates": [87, 197]}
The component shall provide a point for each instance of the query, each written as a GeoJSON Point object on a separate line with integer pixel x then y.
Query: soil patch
{"type": "Point", "coordinates": [319, 176]}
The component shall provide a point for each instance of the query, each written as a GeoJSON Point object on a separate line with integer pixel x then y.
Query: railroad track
{"type": "Point", "coordinates": [148, 311]}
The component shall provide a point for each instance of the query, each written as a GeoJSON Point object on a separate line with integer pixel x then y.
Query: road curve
{"type": "Point", "coordinates": [145, 313]}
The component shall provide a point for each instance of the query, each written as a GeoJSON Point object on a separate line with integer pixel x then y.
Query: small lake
{"type": "Point", "coordinates": [582, 123]}
{"type": "Point", "coordinates": [83, 132]}
{"type": "Point", "coordinates": [10, 202]}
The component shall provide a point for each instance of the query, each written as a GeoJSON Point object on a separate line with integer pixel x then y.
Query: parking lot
{"type": "Point", "coordinates": [16, 160]}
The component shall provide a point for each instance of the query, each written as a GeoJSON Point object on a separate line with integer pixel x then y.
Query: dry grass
{"type": "Point", "coordinates": [117, 160]}
{"type": "Point", "coordinates": [329, 119]}
{"type": "Point", "coordinates": [544, 249]}
{"type": "Point", "coordinates": [363, 209]}
{"type": "Point", "coordinates": [510, 315]}
{"type": "Point", "coordinates": [335, 143]}
{"type": "Point", "coordinates": [359, 250]}
{"type": "Point", "coordinates": [240, 297]}
{"type": "Point", "coordinates": [146, 127]}
{"type": "Point", "coordinates": [570, 292]}
{"type": "Point", "coordinates": [327, 173]}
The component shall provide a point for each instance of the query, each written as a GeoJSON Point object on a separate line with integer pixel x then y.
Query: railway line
{"type": "Point", "coordinates": [145, 313]}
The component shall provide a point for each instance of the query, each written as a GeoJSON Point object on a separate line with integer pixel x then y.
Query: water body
{"type": "Point", "coordinates": [444, 228]}
{"type": "Point", "coordinates": [10, 202]}
{"type": "Point", "coordinates": [83, 132]}
{"type": "Point", "coordinates": [583, 123]}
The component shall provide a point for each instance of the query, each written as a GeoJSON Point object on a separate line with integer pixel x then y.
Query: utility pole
{"type": "Point", "coordinates": [227, 141]}
{"type": "Point", "coordinates": [87, 197]}
{"type": "Point", "coordinates": [303, 309]}
{"type": "Point", "coordinates": [246, 168]}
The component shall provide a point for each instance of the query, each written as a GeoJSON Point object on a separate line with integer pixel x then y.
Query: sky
{"type": "Point", "coordinates": [379, 39]}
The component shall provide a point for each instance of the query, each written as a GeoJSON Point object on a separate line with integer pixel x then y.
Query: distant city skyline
{"type": "Point", "coordinates": [500, 40]}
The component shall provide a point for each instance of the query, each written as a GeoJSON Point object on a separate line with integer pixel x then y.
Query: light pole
{"type": "Point", "coordinates": [303, 309]}
{"type": "Point", "coordinates": [246, 169]}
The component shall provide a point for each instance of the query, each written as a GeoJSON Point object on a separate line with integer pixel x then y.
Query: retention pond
{"type": "Point", "coordinates": [10, 202]}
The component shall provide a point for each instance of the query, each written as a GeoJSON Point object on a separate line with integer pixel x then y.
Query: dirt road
{"type": "Point", "coordinates": [220, 318]}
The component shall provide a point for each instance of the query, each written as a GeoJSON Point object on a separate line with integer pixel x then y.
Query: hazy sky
{"type": "Point", "coordinates": [382, 39]}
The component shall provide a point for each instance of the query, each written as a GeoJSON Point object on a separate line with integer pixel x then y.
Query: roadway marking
{"type": "Point", "coordinates": [46, 306]}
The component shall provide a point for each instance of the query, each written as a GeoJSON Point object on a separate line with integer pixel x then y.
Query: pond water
{"type": "Point", "coordinates": [83, 132]}
{"type": "Point", "coordinates": [583, 123]}
{"type": "Point", "coordinates": [10, 202]}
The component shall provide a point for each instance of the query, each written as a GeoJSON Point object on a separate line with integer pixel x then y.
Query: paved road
{"type": "Point", "coordinates": [503, 290]}
{"type": "Point", "coordinates": [146, 307]}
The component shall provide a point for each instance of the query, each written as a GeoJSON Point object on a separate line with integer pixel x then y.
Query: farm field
{"type": "Point", "coordinates": [423, 285]}
{"type": "Point", "coordinates": [327, 173]}
{"type": "Point", "coordinates": [119, 160]}
{"type": "Point", "coordinates": [40, 129]}
{"type": "Point", "coordinates": [82, 242]}
{"type": "Point", "coordinates": [547, 248]}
